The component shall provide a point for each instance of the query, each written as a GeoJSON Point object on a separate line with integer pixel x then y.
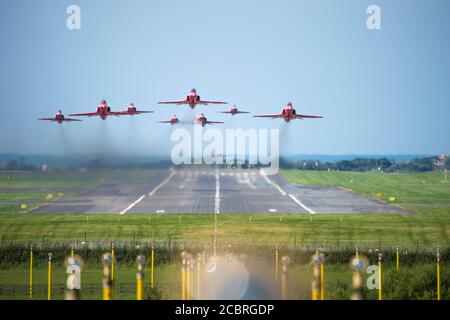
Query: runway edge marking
{"type": "Point", "coordinates": [162, 184]}
{"type": "Point", "coordinates": [132, 205]}
{"type": "Point", "coordinates": [301, 204]}
{"type": "Point", "coordinates": [150, 194]}
{"type": "Point", "coordinates": [276, 186]}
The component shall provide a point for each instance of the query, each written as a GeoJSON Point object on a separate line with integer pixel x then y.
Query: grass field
{"type": "Point", "coordinates": [412, 283]}
{"type": "Point", "coordinates": [427, 226]}
{"type": "Point", "coordinates": [425, 194]}
{"type": "Point", "coordinates": [70, 178]}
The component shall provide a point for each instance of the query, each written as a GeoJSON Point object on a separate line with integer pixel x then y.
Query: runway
{"type": "Point", "coordinates": [224, 191]}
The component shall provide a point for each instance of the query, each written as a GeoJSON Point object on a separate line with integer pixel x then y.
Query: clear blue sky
{"type": "Point", "coordinates": [384, 91]}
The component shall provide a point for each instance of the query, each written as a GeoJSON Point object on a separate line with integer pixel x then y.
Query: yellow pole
{"type": "Point", "coordinates": [398, 259]}
{"type": "Point", "coordinates": [357, 252]}
{"type": "Point", "coordinates": [438, 275]}
{"type": "Point", "coordinates": [183, 282]}
{"type": "Point", "coordinates": [276, 263]}
{"type": "Point", "coordinates": [49, 277]}
{"type": "Point", "coordinates": [152, 275]}
{"type": "Point", "coordinates": [71, 252]}
{"type": "Point", "coordinates": [198, 276]}
{"type": "Point", "coordinates": [315, 287]}
{"type": "Point", "coordinates": [285, 262]}
{"type": "Point", "coordinates": [106, 293]}
{"type": "Point", "coordinates": [188, 281]}
{"type": "Point", "coordinates": [107, 283]}
{"type": "Point", "coordinates": [322, 290]}
{"type": "Point", "coordinates": [380, 292]}
{"type": "Point", "coordinates": [31, 272]}
{"type": "Point", "coordinates": [140, 259]}
{"type": "Point", "coordinates": [113, 255]}
{"type": "Point", "coordinates": [140, 287]}
{"type": "Point", "coordinates": [112, 263]}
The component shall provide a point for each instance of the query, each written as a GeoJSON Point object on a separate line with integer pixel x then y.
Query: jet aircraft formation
{"type": "Point", "coordinates": [192, 100]}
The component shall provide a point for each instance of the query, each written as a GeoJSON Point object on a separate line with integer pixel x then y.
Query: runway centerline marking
{"type": "Point", "coordinates": [162, 184]}
{"type": "Point", "coordinates": [301, 204]}
{"type": "Point", "coordinates": [217, 197]}
{"type": "Point", "coordinates": [132, 205]}
{"type": "Point", "coordinates": [276, 186]}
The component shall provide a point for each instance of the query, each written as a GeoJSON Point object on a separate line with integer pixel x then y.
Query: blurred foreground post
{"type": "Point", "coordinates": [285, 262]}
{"type": "Point", "coordinates": [140, 277]}
{"type": "Point", "coordinates": [113, 254]}
{"type": "Point", "coordinates": [31, 272]}
{"type": "Point", "coordinates": [199, 260]}
{"type": "Point", "coordinates": [184, 274]}
{"type": "Point", "coordinates": [152, 274]}
{"type": "Point", "coordinates": [276, 263]}
{"type": "Point", "coordinates": [74, 265]}
{"type": "Point", "coordinates": [397, 264]}
{"type": "Point", "coordinates": [315, 284]}
{"type": "Point", "coordinates": [49, 277]}
{"type": "Point", "coordinates": [438, 274]}
{"type": "Point", "coordinates": [359, 266]}
{"type": "Point", "coordinates": [380, 289]}
{"type": "Point", "coordinates": [189, 278]}
{"type": "Point", "coordinates": [107, 282]}
{"type": "Point", "coordinates": [113, 260]}
{"type": "Point", "coordinates": [322, 277]}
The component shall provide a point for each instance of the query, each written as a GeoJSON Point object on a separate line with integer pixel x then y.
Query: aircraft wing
{"type": "Point", "coordinates": [140, 112]}
{"type": "Point", "coordinates": [273, 116]}
{"type": "Point", "coordinates": [214, 122]}
{"type": "Point", "coordinates": [173, 102]}
{"type": "Point", "coordinates": [242, 112]}
{"type": "Point", "coordinates": [226, 112]}
{"type": "Point", "coordinates": [301, 116]}
{"type": "Point", "coordinates": [206, 102]}
{"type": "Point", "coordinates": [88, 114]}
{"type": "Point", "coordinates": [124, 113]}
{"type": "Point", "coordinates": [47, 119]}
{"type": "Point", "coordinates": [165, 121]}
{"type": "Point", "coordinates": [70, 120]}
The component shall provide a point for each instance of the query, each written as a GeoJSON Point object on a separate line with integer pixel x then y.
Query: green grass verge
{"type": "Point", "coordinates": [70, 179]}
{"type": "Point", "coordinates": [385, 230]}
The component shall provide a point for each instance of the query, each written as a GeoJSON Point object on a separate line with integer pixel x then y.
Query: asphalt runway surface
{"type": "Point", "coordinates": [223, 191]}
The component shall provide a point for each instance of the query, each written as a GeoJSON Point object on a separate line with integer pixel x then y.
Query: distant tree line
{"type": "Point", "coordinates": [19, 164]}
{"type": "Point", "coordinates": [433, 163]}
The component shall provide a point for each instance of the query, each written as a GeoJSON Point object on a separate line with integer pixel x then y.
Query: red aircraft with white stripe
{"type": "Point", "coordinates": [132, 110]}
{"type": "Point", "coordinates": [173, 120]}
{"type": "Point", "coordinates": [192, 100]}
{"type": "Point", "coordinates": [103, 111]}
{"type": "Point", "coordinates": [287, 114]}
{"type": "Point", "coordinates": [233, 111]}
{"type": "Point", "coordinates": [59, 117]}
{"type": "Point", "coordinates": [204, 121]}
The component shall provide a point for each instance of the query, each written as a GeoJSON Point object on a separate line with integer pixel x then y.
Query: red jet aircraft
{"type": "Point", "coordinates": [103, 111]}
{"type": "Point", "coordinates": [59, 117]}
{"type": "Point", "coordinates": [192, 100]}
{"type": "Point", "coordinates": [233, 111]}
{"type": "Point", "coordinates": [204, 121]}
{"type": "Point", "coordinates": [132, 110]}
{"type": "Point", "coordinates": [287, 114]}
{"type": "Point", "coordinates": [173, 120]}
